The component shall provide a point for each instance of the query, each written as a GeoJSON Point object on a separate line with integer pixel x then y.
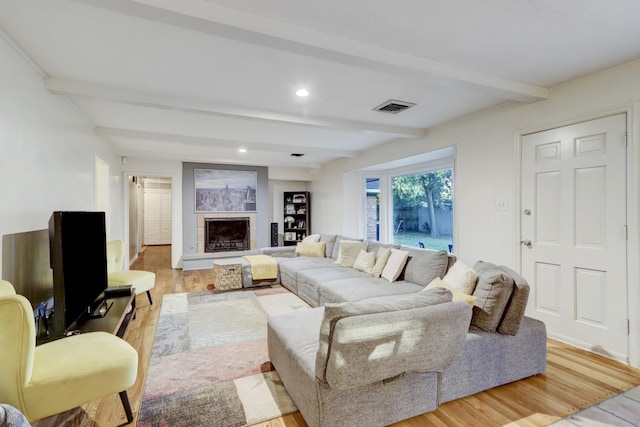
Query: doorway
{"type": "Point", "coordinates": [157, 211]}
{"type": "Point", "coordinates": [150, 212]}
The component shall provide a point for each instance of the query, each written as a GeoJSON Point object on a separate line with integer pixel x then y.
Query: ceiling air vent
{"type": "Point", "coordinates": [393, 106]}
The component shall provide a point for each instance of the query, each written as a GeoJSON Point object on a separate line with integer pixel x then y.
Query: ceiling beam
{"type": "Point", "coordinates": [219, 143]}
{"type": "Point", "coordinates": [202, 15]}
{"type": "Point", "coordinates": [76, 88]}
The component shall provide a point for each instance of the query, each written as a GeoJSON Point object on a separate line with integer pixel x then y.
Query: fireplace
{"type": "Point", "coordinates": [226, 234]}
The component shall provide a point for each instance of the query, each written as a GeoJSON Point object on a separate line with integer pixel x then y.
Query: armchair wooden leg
{"type": "Point", "coordinates": [124, 397]}
{"type": "Point", "coordinates": [149, 296]}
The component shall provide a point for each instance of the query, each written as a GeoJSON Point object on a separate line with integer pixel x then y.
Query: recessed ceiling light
{"type": "Point", "coordinates": [242, 150]}
{"type": "Point", "coordinates": [302, 92]}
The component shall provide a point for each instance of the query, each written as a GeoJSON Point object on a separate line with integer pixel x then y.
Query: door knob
{"type": "Point", "coordinates": [527, 243]}
{"type": "Point", "coordinates": [527, 211]}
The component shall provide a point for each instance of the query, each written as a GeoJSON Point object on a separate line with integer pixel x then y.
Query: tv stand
{"type": "Point", "coordinates": [102, 309]}
{"type": "Point", "coordinates": [114, 321]}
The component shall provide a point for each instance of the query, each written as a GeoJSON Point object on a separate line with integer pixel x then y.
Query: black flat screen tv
{"type": "Point", "coordinates": [78, 256]}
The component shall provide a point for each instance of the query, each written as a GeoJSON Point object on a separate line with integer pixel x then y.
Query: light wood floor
{"type": "Point", "coordinates": [574, 379]}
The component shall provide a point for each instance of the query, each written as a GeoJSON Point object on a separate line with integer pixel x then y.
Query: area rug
{"type": "Point", "coordinates": [209, 362]}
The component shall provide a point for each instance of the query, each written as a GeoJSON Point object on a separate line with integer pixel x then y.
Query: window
{"type": "Point", "coordinates": [412, 203]}
{"type": "Point", "coordinates": [422, 209]}
{"type": "Point", "coordinates": [372, 221]}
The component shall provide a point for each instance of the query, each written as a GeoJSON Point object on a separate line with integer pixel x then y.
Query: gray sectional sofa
{"type": "Point", "coordinates": [373, 352]}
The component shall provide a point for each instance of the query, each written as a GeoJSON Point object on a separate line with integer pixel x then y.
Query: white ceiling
{"type": "Point", "coordinates": [197, 79]}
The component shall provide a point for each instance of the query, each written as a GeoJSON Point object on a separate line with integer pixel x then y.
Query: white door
{"type": "Point", "coordinates": [157, 216]}
{"type": "Point", "coordinates": [574, 233]}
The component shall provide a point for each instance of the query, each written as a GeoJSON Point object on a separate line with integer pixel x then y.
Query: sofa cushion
{"type": "Point", "coordinates": [424, 265]}
{"type": "Point", "coordinates": [334, 312]}
{"type": "Point", "coordinates": [395, 264]}
{"type": "Point", "coordinates": [349, 251]}
{"type": "Point", "coordinates": [461, 278]}
{"type": "Point", "coordinates": [311, 249]}
{"type": "Point", "coordinates": [365, 261]}
{"type": "Point", "coordinates": [331, 241]}
{"type": "Point", "coordinates": [290, 267]}
{"type": "Point", "coordinates": [310, 283]}
{"type": "Point", "coordinates": [382, 256]}
{"type": "Point", "coordinates": [493, 291]}
{"type": "Point", "coordinates": [514, 312]}
{"type": "Point", "coordinates": [318, 276]}
{"type": "Point", "coordinates": [362, 288]}
{"type": "Point", "coordinates": [371, 348]}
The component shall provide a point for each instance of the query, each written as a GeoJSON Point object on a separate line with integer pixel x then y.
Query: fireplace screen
{"type": "Point", "coordinates": [226, 234]}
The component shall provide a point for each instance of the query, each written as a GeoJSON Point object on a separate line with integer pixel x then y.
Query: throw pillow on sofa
{"type": "Point", "coordinates": [350, 251]}
{"type": "Point", "coordinates": [457, 295]}
{"type": "Point", "coordinates": [336, 246]}
{"type": "Point", "coordinates": [365, 261]}
{"type": "Point", "coordinates": [493, 292]}
{"type": "Point", "coordinates": [395, 264]}
{"type": "Point", "coordinates": [311, 249]}
{"type": "Point", "coordinates": [311, 238]}
{"type": "Point", "coordinates": [382, 256]}
{"type": "Point", "coordinates": [335, 312]}
{"type": "Point", "coordinates": [461, 278]}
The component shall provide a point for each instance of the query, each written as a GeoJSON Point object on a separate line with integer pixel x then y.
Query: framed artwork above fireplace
{"type": "Point", "coordinates": [224, 190]}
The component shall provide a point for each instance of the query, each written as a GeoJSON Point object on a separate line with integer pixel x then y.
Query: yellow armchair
{"type": "Point", "coordinates": [141, 281]}
{"type": "Point", "coordinates": [60, 375]}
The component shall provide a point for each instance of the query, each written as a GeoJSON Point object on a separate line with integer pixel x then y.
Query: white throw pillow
{"type": "Point", "coordinates": [311, 238]}
{"type": "Point", "coordinates": [381, 260]}
{"type": "Point", "coordinates": [365, 261]}
{"type": "Point", "coordinates": [457, 295]}
{"type": "Point", "coordinates": [461, 278]}
{"type": "Point", "coordinates": [395, 264]}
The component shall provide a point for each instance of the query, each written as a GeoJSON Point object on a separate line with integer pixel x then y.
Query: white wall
{"type": "Point", "coordinates": [47, 152]}
{"type": "Point", "coordinates": [487, 168]}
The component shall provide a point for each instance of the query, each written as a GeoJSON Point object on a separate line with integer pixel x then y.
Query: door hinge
{"type": "Point", "coordinates": [626, 232]}
{"type": "Point", "coordinates": [624, 138]}
{"type": "Point", "coordinates": [628, 327]}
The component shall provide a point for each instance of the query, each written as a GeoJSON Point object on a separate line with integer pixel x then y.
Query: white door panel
{"type": "Point", "coordinates": [574, 188]}
{"type": "Point", "coordinates": [157, 216]}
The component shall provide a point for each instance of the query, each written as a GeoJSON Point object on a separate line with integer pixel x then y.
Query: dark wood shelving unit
{"type": "Point", "coordinates": [297, 216]}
